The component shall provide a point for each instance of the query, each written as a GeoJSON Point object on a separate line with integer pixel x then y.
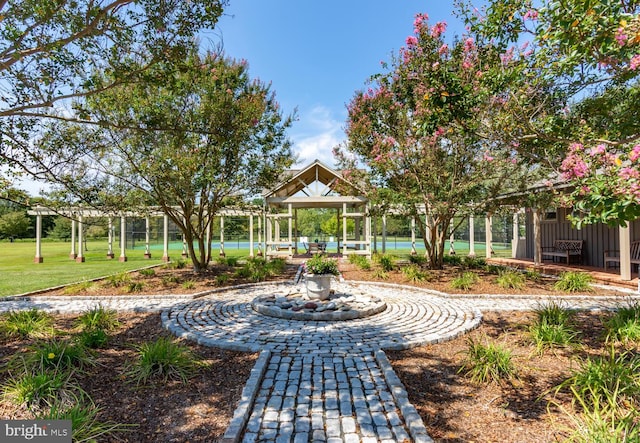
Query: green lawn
{"type": "Point", "coordinates": [19, 274]}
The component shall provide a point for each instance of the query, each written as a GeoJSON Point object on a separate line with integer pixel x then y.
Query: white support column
{"type": "Point", "coordinates": [123, 239]}
{"type": "Point", "coordinates": [222, 254]}
{"type": "Point", "coordinates": [537, 237]}
{"type": "Point", "coordinates": [147, 231]}
{"type": "Point", "coordinates": [625, 252]}
{"type": "Point", "coordinates": [356, 224]}
{"type": "Point", "coordinates": [344, 229]}
{"type": "Point", "coordinates": [184, 241]}
{"type": "Point", "coordinates": [80, 257]}
{"type": "Point", "coordinates": [413, 237]}
{"type": "Point", "coordinates": [251, 235]}
{"type": "Point", "coordinates": [472, 237]}
{"type": "Point", "coordinates": [268, 235]}
{"type": "Point", "coordinates": [110, 253]}
{"type": "Point", "coordinates": [260, 253]}
{"type": "Point", "coordinates": [290, 230]}
{"type": "Point", "coordinates": [368, 230]}
{"type": "Point", "coordinates": [488, 236]}
{"type": "Point", "coordinates": [384, 233]}
{"type": "Point", "coordinates": [165, 238]}
{"type": "Point", "coordinates": [452, 249]}
{"type": "Point", "coordinates": [515, 236]}
{"type": "Point", "coordinates": [73, 254]}
{"type": "Point", "coordinates": [38, 258]}
{"type": "Point", "coordinates": [295, 230]}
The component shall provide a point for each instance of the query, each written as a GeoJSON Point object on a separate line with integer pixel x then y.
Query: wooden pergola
{"type": "Point", "coordinates": [315, 187]}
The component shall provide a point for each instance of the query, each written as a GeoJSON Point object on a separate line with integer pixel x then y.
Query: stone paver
{"type": "Point", "coordinates": [314, 380]}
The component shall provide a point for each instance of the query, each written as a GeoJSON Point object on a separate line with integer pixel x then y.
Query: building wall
{"type": "Point", "coordinates": [597, 237]}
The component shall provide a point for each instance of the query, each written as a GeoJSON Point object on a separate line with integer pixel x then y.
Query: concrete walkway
{"type": "Point", "coordinates": [320, 381]}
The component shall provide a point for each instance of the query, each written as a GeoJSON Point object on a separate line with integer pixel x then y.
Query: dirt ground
{"type": "Point", "coordinates": [453, 408]}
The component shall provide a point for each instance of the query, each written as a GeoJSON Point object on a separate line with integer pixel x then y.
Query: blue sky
{"type": "Point", "coordinates": [316, 54]}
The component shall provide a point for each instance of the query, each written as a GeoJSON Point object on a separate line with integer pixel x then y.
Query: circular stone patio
{"type": "Point", "coordinates": [412, 317]}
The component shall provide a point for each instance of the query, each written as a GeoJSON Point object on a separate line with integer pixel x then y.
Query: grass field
{"type": "Point", "coordinates": [19, 274]}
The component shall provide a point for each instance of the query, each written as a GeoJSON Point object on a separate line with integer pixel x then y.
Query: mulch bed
{"type": "Point", "coordinates": [453, 408]}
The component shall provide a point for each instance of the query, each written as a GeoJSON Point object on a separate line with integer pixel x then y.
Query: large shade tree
{"type": "Point", "coordinates": [206, 136]}
{"type": "Point", "coordinates": [416, 132]}
{"type": "Point", "coordinates": [52, 51]}
{"type": "Point", "coordinates": [588, 53]}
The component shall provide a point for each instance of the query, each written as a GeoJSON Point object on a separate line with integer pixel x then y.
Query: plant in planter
{"type": "Point", "coordinates": [319, 271]}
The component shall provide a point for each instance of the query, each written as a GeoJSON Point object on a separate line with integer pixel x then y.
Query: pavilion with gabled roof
{"type": "Point", "coordinates": [315, 187]}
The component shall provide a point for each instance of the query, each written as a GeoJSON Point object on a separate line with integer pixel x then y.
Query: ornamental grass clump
{"type": "Point", "coordinates": [415, 274]}
{"type": "Point", "coordinates": [98, 318]}
{"type": "Point", "coordinates": [39, 390]}
{"type": "Point", "coordinates": [319, 264]}
{"type": "Point", "coordinates": [624, 324]}
{"type": "Point", "coordinates": [33, 323]}
{"type": "Point", "coordinates": [162, 359]}
{"type": "Point", "coordinates": [553, 327]}
{"type": "Point", "coordinates": [573, 281]}
{"type": "Point", "coordinates": [510, 279]}
{"type": "Point", "coordinates": [386, 262]}
{"type": "Point", "coordinates": [84, 422]}
{"type": "Point", "coordinates": [465, 281]}
{"type": "Point", "coordinates": [54, 354]}
{"type": "Point", "coordinates": [486, 363]}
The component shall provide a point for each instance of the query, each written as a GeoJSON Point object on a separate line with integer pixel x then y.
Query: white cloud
{"type": "Point", "coordinates": [318, 132]}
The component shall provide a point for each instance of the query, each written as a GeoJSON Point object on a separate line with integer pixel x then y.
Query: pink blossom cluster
{"type": "Point", "coordinates": [635, 153]}
{"type": "Point", "coordinates": [438, 29]}
{"type": "Point", "coordinates": [531, 14]}
{"type": "Point", "coordinates": [621, 36]}
{"type": "Point", "coordinates": [635, 62]}
{"type": "Point", "coordinates": [573, 166]}
{"type": "Point", "coordinates": [419, 21]}
{"type": "Point", "coordinates": [411, 41]}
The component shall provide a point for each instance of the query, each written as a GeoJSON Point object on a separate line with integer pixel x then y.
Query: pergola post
{"type": "Point", "coordinates": [488, 236]}
{"type": "Point", "coordinates": [260, 253]}
{"type": "Point", "coordinates": [515, 236]}
{"type": "Point", "coordinates": [165, 238]}
{"type": "Point", "coordinates": [80, 257]}
{"type": "Point", "coordinates": [413, 236]}
{"type": "Point", "coordinates": [472, 237]}
{"type": "Point", "coordinates": [222, 254]}
{"type": "Point", "coordinates": [110, 253]}
{"type": "Point", "coordinates": [367, 228]}
{"type": "Point", "coordinates": [184, 240]}
{"type": "Point", "coordinates": [384, 233]}
{"type": "Point", "coordinates": [537, 237]}
{"type": "Point", "coordinates": [356, 224]}
{"type": "Point", "coordinates": [290, 229]}
{"type": "Point", "coordinates": [38, 258]}
{"type": "Point", "coordinates": [625, 252]}
{"type": "Point", "coordinates": [251, 235]}
{"type": "Point", "coordinates": [344, 229]}
{"type": "Point", "coordinates": [452, 249]}
{"type": "Point", "coordinates": [295, 230]}
{"type": "Point", "coordinates": [123, 239]}
{"type": "Point", "coordinates": [147, 251]}
{"type": "Point", "coordinates": [72, 254]}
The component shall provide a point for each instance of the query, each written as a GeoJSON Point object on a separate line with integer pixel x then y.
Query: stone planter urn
{"type": "Point", "coordinates": [318, 286]}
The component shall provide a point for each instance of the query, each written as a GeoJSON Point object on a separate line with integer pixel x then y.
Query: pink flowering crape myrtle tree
{"type": "Point", "coordinates": [585, 54]}
{"type": "Point", "coordinates": [415, 131]}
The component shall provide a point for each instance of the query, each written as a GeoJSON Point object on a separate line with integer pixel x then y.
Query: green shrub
{"type": "Point", "coordinates": [387, 263]}
{"type": "Point", "coordinates": [189, 284]}
{"type": "Point", "coordinates": [547, 336]}
{"type": "Point", "coordinates": [624, 325]}
{"type": "Point", "coordinates": [135, 286]}
{"type": "Point", "coordinates": [485, 363]}
{"type": "Point", "coordinates": [533, 275]}
{"type": "Point", "coordinates": [178, 264]}
{"type": "Point", "coordinates": [319, 264]}
{"type": "Point", "coordinates": [381, 274]}
{"type": "Point", "coordinates": [162, 359]}
{"type": "Point", "coordinates": [222, 279]}
{"type": "Point", "coordinates": [117, 280]}
{"type": "Point", "coordinates": [421, 260]}
{"type": "Point", "coordinates": [360, 261]}
{"type": "Point", "coordinates": [228, 261]}
{"type": "Point", "coordinates": [473, 262]}
{"type": "Point", "coordinates": [39, 390]}
{"type": "Point", "coordinates": [93, 338]}
{"type": "Point", "coordinates": [33, 323]}
{"type": "Point", "coordinates": [83, 286]}
{"type": "Point", "coordinates": [601, 379]}
{"type": "Point", "coordinates": [147, 272]}
{"type": "Point", "coordinates": [554, 314]}
{"type": "Point", "coordinates": [573, 281]}
{"type": "Point", "coordinates": [415, 274]}
{"type": "Point", "coordinates": [84, 422]}
{"type": "Point", "coordinates": [465, 281]}
{"type": "Point", "coordinates": [98, 318]}
{"type": "Point", "coordinates": [59, 354]}
{"type": "Point", "coordinates": [511, 279]}
{"type": "Point", "coordinates": [452, 260]}
{"type": "Point", "coordinates": [170, 280]}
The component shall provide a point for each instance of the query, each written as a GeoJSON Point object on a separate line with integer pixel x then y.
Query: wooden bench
{"type": "Point", "coordinates": [316, 248]}
{"type": "Point", "coordinates": [611, 256]}
{"type": "Point", "coordinates": [565, 249]}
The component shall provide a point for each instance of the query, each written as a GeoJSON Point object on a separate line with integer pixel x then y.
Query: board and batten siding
{"type": "Point", "coordinates": [597, 237]}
